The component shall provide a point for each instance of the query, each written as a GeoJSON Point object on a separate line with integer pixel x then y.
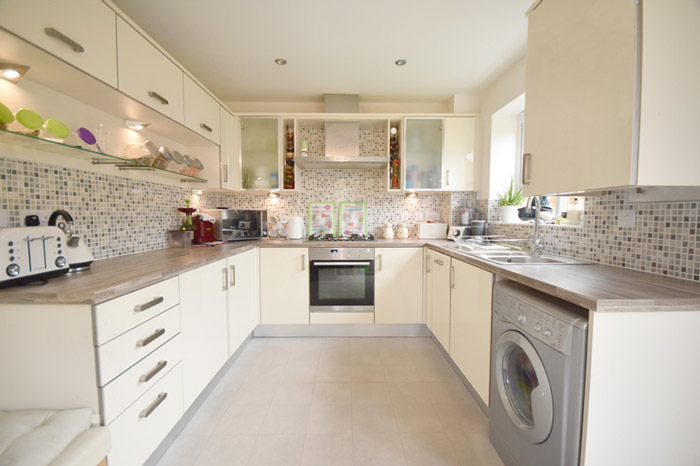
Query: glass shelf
{"type": "Point", "coordinates": [97, 158]}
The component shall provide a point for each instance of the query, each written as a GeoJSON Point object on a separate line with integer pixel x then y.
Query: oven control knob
{"type": "Point", "coordinates": [12, 270]}
{"type": "Point", "coordinates": [60, 261]}
{"type": "Point", "coordinates": [522, 318]}
{"type": "Point", "coordinates": [538, 328]}
{"type": "Point", "coordinates": [547, 333]}
{"type": "Point", "coordinates": [367, 250]}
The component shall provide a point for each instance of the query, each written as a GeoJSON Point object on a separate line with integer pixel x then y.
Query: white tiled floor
{"type": "Point", "coordinates": [337, 402]}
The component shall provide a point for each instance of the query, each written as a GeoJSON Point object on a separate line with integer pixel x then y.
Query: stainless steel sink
{"type": "Point", "coordinates": [529, 259]}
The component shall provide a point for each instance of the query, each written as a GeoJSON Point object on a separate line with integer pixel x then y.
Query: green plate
{"type": "Point", "coordinates": [5, 114]}
{"type": "Point", "coordinates": [29, 118]}
{"type": "Point", "coordinates": [57, 128]}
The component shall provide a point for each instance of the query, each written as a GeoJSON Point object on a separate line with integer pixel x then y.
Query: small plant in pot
{"type": "Point", "coordinates": [509, 202]}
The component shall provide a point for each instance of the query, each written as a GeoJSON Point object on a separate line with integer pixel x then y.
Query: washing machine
{"type": "Point", "coordinates": [538, 365]}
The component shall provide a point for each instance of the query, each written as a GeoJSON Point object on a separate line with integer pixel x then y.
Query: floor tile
{"type": "Point", "coordinates": [277, 450]}
{"type": "Point", "coordinates": [241, 420]}
{"type": "Point", "coordinates": [330, 419]}
{"type": "Point", "coordinates": [367, 372]}
{"type": "Point", "coordinates": [474, 449]}
{"type": "Point", "coordinates": [462, 418]}
{"type": "Point", "coordinates": [417, 418]}
{"type": "Point", "coordinates": [231, 450]}
{"type": "Point", "coordinates": [299, 372]}
{"type": "Point", "coordinates": [327, 450]}
{"type": "Point", "coordinates": [285, 419]}
{"type": "Point", "coordinates": [331, 394]}
{"type": "Point", "coordinates": [204, 421]}
{"type": "Point", "coordinates": [401, 372]}
{"type": "Point", "coordinates": [373, 418]}
{"type": "Point", "coordinates": [429, 449]}
{"type": "Point", "coordinates": [370, 393]}
{"type": "Point", "coordinates": [184, 450]}
{"type": "Point", "coordinates": [331, 372]}
{"type": "Point", "coordinates": [267, 372]}
{"type": "Point", "coordinates": [255, 394]}
{"type": "Point", "coordinates": [293, 394]}
{"type": "Point", "coordinates": [378, 449]}
{"type": "Point", "coordinates": [411, 393]}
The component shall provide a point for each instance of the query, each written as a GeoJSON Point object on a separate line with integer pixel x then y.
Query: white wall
{"type": "Point", "coordinates": [497, 94]}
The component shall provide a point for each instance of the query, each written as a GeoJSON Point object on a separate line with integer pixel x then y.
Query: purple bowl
{"type": "Point", "coordinates": [87, 136]}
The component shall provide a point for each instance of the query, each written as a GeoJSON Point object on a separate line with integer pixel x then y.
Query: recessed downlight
{"type": "Point", "coordinates": [280, 61]}
{"type": "Point", "coordinates": [400, 62]}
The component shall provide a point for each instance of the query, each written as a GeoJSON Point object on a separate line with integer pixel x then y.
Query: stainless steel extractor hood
{"type": "Point", "coordinates": [342, 138]}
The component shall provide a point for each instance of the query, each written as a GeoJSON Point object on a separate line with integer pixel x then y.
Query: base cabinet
{"type": "Point", "coordinates": [204, 326]}
{"type": "Point", "coordinates": [470, 325]}
{"type": "Point", "coordinates": [242, 296]}
{"type": "Point", "coordinates": [398, 286]}
{"type": "Point", "coordinates": [284, 286]}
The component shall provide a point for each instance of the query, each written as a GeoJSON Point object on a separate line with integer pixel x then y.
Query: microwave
{"type": "Point", "coordinates": [238, 224]}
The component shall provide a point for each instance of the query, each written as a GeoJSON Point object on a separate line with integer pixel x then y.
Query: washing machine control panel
{"type": "Point", "coordinates": [534, 321]}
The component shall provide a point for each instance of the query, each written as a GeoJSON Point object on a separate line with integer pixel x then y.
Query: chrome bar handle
{"type": "Point", "coordinates": [303, 262]}
{"type": "Point", "coordinates": [51, 32]}
{"type": "Point", "coordinates": [379, 262]}
{"type": "Point", "coordinates": [452, 277]}
{"type": "Point", "coordinates": [158, 97]}
{"type": "Point", "coordinates": [339, 263]}
{"type": "Point", "coordinates": [148, 305]}
{"type": "Point", "coordinates": [439, 262]}
{"type": "Point", "coordinates": [224, 276]}
{"type": "Point", "coordinates": [205, 127]}
{"type": "Point", "coordinates": [233, 275]}
{"type": "Point", "coordinates": [152, 373]}
{"type": "Point", "coordinates": [427, 264]}
{"type": "Point", "coordinates": [148, 340]}
{"type": "Point", "coordinates": [152, 407]}
{"type": "Point", "coordinates": [225, 173]}
{"type": "Point", "coordinates": [527, 157]}
{"type": "Point", "coordinates": [447, 177]}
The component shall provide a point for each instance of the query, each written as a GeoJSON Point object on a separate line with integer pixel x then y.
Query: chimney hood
{"type": "Point", "coordinates": [342, 138]}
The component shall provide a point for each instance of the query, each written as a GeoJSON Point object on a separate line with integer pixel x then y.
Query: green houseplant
{"type": "Point", "coordinates": [509, 202]}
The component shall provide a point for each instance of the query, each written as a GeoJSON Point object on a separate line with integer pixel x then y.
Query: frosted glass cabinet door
{"type": "Point", "coordinates": [423, 143]}
{"type": "Point", "coordinates": [260, 152]}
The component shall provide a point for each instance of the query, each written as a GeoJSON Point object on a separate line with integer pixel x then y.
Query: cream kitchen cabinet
{"type": "Point", "coordinates": [147, 75]}
{"type": "Point", "coordinates": [201, 111]}
{"type": "Point", "coordinates": [203, 293]}
{"type": "Point", "coordinates": [230, 151]}
{"type": "Point", "coordinates": [610, 100]}
{"type": "Point", "coordinates": [441, 282]}
{"type": "Point", "coordinates": [86, 39]}
{"type": "Point", "coordinates": [260, 152]}
{"type": "Point", "coordinates": [470, 324]}
{"type": "Point", "coordinates": [284, 286]}
{"type": "Point", "coordinates": [243, 297]}
{"type": "Point", "coordinates": [398, 286]}
{"type": "Point", "coordinates": [458, 164]}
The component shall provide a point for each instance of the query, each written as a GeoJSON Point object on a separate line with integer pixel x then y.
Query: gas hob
{"type": "Point", "coordinates": [353, 237]}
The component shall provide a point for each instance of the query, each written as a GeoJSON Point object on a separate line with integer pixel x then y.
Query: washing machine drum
{"type": "Point", "coordinates": [523, 386]}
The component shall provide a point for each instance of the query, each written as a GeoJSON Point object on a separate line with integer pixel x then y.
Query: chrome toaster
{"type": "Point", "coordinates": [32, 252]}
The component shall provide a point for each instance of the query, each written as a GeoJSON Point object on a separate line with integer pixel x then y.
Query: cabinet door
{"type": "Point", "coordinates": [83, 33]}
{"type": "Point", "coordinates": [147, 75]}
{"type": "Point", "coordinates": [440, 271]}
{"type": "Point", "coordinates": [243, 292]}
{"type": "Point", "coordinates": [459, 153]}
{"type": "Point", "coordinates": [398, 286]}
{"type": "Point", "coordinates": [230, 155]}
{"type": "Point", "coordinates": [423, 153]}
{"type": "Point", "coordinates": [284, 286]}
{"type": "Point", "coordinates": [201, 111]}
{"type": "Point", "coordinates": [204, 326]}
{"type": "Point", "coordinates": [260, 149]}
{"type": "Point", "coordinates": [428, 287]}
{"type": "Point", "coordinates": [470, 325]}
{"type": "Point", "coordinates": [580, 87]}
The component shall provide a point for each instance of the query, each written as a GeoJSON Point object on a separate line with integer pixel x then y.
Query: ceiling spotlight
{"type": "Point", "coordinates": [280, 61]}
{"type": "Point", "coordinates": [12, 72]}
{"type": "Point", "coordinates": [400, 62]}
{"type": "Point", "coordinates": [135, 125]}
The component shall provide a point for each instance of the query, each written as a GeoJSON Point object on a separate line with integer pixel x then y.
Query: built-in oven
{"type": "Point", "coordinates": [341, 279]}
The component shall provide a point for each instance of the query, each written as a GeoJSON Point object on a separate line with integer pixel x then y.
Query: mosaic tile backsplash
{"type": "Point", "coordinates": [373, 141]}
{"type": "Point", "coordinates": [118, 216]}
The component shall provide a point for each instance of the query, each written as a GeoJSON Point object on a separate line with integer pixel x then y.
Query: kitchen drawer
{"type": "Point", "coordinates": [342, 317]}
{"type": "Point", "coordinates": [114, 317]}
{"type": "Point", "coordinates": [137, 432]}
{"type": "Point", "coordinates": [116, 356]}
{"type": "Point", "coordinates": [121, 392]}
{"type": "Point", "coordinates": [147, 75]}
{"type": "Point", "coordinates": [90, 45]}
{"type": "Point", "coordinates": [201, 112]}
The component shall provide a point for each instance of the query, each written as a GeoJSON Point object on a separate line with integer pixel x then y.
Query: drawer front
{"type": "Point", "coordinates": [114, 317]}
{"type": "Point", "coordinates": [201, 112]}
{"type": "Point", "coordinates": [147, 75]}
{"type": "Point", "coordinates": [140, 429]}
{"type": "Point", "coordinates": [118, 355]}
{"type": "Point", "coordinates": [122, 391]}
{"type": "Point", "coordinates": [64, 32]}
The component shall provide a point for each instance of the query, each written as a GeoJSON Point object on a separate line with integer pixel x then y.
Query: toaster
{"type": "Point", "coordinates": [32, 252]}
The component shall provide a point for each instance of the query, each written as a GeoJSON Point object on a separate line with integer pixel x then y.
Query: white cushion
{"type": "Point", "coordinates": [36, 437]}
{"type": "Point", "coordinates": [88, 449]}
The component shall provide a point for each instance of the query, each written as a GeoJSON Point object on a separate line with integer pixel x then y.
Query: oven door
{"type": "Point", "coordinates": [343, 286]}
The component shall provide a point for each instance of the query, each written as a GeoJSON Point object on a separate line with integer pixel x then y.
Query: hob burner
{"type": "Point", "coordinates": [353, 237]}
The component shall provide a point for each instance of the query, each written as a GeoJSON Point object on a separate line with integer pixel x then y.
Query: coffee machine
{"type": "Point", "coordinates": [203, 229]}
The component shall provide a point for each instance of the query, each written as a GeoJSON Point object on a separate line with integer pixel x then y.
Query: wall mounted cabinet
{"type": "Point", "coordinates": [201, 111]}
{"type": "Point", "coordinates": [608, 101]}
{"type": "Point", "coordinates": [260, 152]}
{"type": "Point", "coordinates": [230, 159]}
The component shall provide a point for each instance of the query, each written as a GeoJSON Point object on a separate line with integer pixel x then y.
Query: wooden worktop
{"type": "Point", "coordinates": [592, 286]}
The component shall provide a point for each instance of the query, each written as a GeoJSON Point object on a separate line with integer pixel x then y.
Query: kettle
{"type": "Point", "coordinates": [295, 228]}
{"type": "Point", "coordinates": [78, 254]}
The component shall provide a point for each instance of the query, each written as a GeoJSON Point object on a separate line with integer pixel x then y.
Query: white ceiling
{"type": "Point", "coordinates": [452, 46]}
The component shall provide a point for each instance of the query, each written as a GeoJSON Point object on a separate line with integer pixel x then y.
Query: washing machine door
{"type": "Point", "coordinates": [523, 386]}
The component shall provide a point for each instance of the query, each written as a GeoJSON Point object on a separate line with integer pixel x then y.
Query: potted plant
{"type": "Point", "coordinates": [509, 202]}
